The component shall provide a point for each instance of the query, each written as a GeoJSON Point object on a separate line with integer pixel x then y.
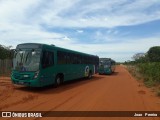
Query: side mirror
{"type": "Point", "coordinates": [33, 53]}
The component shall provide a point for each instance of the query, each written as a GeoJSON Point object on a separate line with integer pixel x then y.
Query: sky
{"type": "Point", "coordinates": [115, 29]}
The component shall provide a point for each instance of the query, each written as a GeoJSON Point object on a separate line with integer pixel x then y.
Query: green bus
{"type": "Point", "coordinates": [38, 65]}
{"type": "Point", "coordinates": [106, 66]}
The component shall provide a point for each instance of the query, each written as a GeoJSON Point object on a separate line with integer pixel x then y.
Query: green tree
{"type": "Point", "coordinates": [5, 52]}
{"type": "Point", "coordinates": [140, 57]}
{"type": "Point", "coordinates": [154, 54]}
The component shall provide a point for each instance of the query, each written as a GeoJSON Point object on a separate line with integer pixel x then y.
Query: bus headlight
{"type": "Point", "coordinates": [36, 74]}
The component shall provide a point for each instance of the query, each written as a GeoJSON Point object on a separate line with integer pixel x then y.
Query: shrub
{"type": "Point", "coordinates": [150, 72]}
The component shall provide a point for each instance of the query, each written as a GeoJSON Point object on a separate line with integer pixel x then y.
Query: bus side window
{"type": "Point", "coordinates": [60, 57]}
{"type": "Point", "coordinates": [47, 59]}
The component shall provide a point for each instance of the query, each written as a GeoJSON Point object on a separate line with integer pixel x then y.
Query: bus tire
{"type": "Point", "coordinates": [58, 81]}
{"type": "Point", "coordinates": [90, 75]}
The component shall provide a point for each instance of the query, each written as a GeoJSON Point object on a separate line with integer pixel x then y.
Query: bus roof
{"type": "Point", "coordinates": [106, 59]}
{"type": "Point", "coordinates": [39, 45]}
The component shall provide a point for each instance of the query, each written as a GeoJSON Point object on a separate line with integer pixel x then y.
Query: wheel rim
{"type": "Point", "coordinates": [58, 81]}
{"type": "Point", "coordinates": [90, 75]}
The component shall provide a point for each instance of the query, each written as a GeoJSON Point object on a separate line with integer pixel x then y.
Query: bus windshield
{"type": "Point", "coordinates": [105, 63]}
{"type": "Point", "coordinates": [26, 60]}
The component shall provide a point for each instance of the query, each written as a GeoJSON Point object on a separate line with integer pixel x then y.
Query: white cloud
{"type": "Point", "coordinates": [103, 14]}
{"type": "Point", "coordinates": [119, 51]}
{"type": "Point", "coordinates": [134, 46]}
{"type": "Point", "coordinates": [80, 31]}
{"type": "Point", "coordinates": [27, 21]}
{"type": "Point", "coordinates": [15, 11]}
{"type": "Point", "coordinates": [16, 33]}
{"type": "Point", "coordinates": [78, 13]}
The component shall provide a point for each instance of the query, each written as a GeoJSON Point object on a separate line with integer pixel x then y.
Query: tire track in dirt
{"type": "Point", "coordinates": [6, 89]}
{"type": "Point", "coordinates": [23, 100]}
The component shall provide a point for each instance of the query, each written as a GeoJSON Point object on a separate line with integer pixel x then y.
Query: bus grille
{"type": "Point", "coordinates": [21, 77]}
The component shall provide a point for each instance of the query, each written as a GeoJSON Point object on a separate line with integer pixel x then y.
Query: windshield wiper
{"type": "Point", "coordinates": [26, 57]}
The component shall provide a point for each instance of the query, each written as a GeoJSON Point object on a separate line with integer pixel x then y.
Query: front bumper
{"type": "Point", "coordinates": [105, 71]}
{"type": "Point", "coordinates": [29, 83]}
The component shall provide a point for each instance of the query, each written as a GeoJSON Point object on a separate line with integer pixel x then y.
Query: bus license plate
{"type": "Point", "coordinates": [21, 83]}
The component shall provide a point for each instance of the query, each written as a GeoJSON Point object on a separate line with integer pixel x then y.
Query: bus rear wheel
{"type": "Point", "coordinates": [90, 75]}
{"type": "Point", "coordinates": [58, 81]}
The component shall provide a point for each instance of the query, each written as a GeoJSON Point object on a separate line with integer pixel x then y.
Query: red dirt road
{"type": "Point", "coordinates": [117, 92]}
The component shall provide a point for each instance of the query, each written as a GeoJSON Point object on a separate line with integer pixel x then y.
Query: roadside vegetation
{"type": "Point", "coordinates": [6, 55]}
{"type": "Point", "coordinates": [146, 67]}
{"type": "Point", "coordinates": [5, 52]}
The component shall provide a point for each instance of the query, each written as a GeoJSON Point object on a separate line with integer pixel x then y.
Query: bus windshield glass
{"type": "Point", "coordinates": [26, 60]}
{"type": "Point", "coordinates": [105, 63]}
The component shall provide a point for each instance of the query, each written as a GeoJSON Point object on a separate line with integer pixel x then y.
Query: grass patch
{"type": "Point", "coordinates": [148, 72]}
{"type": "Point", "coordinates": [149, 83]}
{"type": "Point", "coordinates": [158, 93]}
{"type": "Point", "coordinates": [134, 71]}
